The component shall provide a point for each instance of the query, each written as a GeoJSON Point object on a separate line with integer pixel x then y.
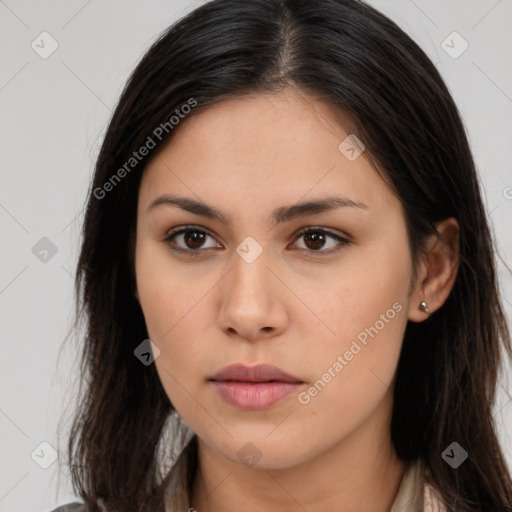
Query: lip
{"type": "Point", "coordinates": [258, 373]}
{"type": "Point", "coordinates": [254, 387]}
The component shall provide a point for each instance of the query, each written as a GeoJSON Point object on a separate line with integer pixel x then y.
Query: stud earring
{"type": "Point", "coordinates": [424, 307]}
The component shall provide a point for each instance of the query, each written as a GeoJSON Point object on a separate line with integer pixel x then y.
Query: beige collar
{"type": "Point", "coordinates": [415, 495]}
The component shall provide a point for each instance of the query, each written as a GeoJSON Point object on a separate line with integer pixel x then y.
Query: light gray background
{"type": "Point", "coordinates": [53, 114]}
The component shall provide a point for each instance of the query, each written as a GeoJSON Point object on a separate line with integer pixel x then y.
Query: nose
{"type": "Point", "coordinates": [253, 300]}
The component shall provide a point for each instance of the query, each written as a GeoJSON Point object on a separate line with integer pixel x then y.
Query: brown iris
{"type": "Point", "coordinates": [194, 237]}
{"type": "Point", "coordinates": [316, 238]}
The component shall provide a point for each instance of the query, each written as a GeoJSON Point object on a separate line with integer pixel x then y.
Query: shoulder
{"type": "Point", "coordinates": [71, 507]}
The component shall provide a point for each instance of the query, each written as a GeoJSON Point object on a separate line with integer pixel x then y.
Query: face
{"type": "Point", "coordinates": [321, 293]}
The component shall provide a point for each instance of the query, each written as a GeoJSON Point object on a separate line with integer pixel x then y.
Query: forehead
{"type": "Point", "coordinates": [262, 150]}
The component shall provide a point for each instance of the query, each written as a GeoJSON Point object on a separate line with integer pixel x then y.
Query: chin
{"type": "Point", "coordinates": [261, 451]}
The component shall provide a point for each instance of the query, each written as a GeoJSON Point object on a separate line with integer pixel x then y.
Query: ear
{"type": "Point", "coordinates": [437, 271]}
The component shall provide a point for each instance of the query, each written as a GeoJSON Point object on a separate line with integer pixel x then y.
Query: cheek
{"type": "Point", "coordinates": [173, 305]}
{"type": "Point", "coordinates": [367, 291]}
{"type": "Point", "coordinates": [168, 294]}
{"type": "Point", "coordinates": [354, 371]}
{"type": "Point", "coordinates": [366, 312]}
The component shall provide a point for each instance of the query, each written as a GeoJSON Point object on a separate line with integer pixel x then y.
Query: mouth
{"type": "Point", "coordinates": [256, 387]}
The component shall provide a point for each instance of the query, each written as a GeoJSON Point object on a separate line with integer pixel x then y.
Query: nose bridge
{"type": "Point", "coordinates": [250, 304]}
{"type": "Point", "coordinates": [250, 263]}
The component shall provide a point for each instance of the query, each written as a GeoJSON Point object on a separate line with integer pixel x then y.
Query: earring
{"type": "Point", "coordinates": [424, 307]}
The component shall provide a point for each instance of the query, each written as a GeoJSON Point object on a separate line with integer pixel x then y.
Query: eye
{"type": "Point", "coordinates": [192, 236]}
{"type": "Point", "coordinates": [315, 239]}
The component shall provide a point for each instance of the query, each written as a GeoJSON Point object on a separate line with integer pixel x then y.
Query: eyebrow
{"type": "Point", "coordinates": [279, 215]}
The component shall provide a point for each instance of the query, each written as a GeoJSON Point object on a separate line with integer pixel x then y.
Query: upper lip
{"type": "Point", "coordinates": [258, 373]}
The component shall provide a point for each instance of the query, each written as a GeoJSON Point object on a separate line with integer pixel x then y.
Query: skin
{"type": "Point", "coordinates": [293, 307]}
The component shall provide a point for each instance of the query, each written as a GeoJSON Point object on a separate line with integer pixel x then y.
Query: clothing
{"type": "Point", "coordinates": [414, 495]}
{"type": "Point", "coordinates": [71, 507]}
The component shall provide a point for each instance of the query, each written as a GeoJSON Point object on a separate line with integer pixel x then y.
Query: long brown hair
{"type": "Point", "coordinates": [365, 66]}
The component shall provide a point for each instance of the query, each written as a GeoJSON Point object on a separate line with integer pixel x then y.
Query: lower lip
{"type": "Point", "coordinates": [254, 396]}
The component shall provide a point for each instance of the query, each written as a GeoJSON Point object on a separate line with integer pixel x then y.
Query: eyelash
{"type": "Point", "coordinates": [196, 252]}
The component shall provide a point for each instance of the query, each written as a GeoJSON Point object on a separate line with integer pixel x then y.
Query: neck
{"type": "Point", "coordinates": [360, 473]}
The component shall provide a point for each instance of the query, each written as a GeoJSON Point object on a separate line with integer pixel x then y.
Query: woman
{"type": "Point", "coordinates": [287, 277]}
